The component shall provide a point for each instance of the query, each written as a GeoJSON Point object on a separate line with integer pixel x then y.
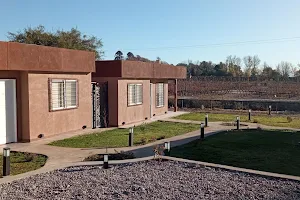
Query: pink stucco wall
{"type": "Point", "coordinates": [43, 121]}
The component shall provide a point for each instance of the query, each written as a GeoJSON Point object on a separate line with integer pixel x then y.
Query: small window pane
{"type": "Point", "coordinates": [57, 94]}
{"type": "Point", "coordinates": [63, 94]}
{"type": "Point", "coordinates": [135, 94]}
{"type": "Point", "coordinates": [160, 95]}
{"type": "Point", "coordinates": [71, 93]}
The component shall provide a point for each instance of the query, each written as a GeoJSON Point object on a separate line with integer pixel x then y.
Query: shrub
{"type": "Point", "coordinates": [117, 156]}
{"type": "Point", "coordinates": [158, 151]}
{"type": "Point", "coordinates": [161, 137]}
{"type": "Point", "coordinates": [144, 140]}
{"type": "Point", "coordinates": [289, 119]}
{"type": "Point", "coordinates": [153, 139]}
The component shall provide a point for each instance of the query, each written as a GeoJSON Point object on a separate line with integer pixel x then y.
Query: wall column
{"type": "Point", "coordinates": [175, 95]}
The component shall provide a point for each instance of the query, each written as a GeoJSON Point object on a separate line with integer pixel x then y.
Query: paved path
{"type": "Point", "coordinates": [60, 157]}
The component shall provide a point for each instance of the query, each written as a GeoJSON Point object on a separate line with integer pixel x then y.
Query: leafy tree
{"type": "Point", "coordinates": [130, 56]}
{"type": "Point", "coordinates": [221, 69]}
{"type": "Point", "coordinates": [72, 39]}
{"type": "Point", "coordinates": [269, 72]}
{"type": "Point", "coordinates": [207, 68]}
{"type": "Point", "coordinates": [119, 55]}
{"type": "Point", "coordinates": [140, 58]}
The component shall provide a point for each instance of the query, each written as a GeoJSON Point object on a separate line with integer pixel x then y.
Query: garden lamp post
{"type": "Point", "coordinates": [238, 122]}
{"type": "Point", "coordinates": [206, 120]}
{"type": "Point", "coordinates": [167, 148]}
{"type": "Point", "coordinates": [6, 161]}
{"type": "Point", "coordinates": [202, 131]}
{"type": "Point", "coordinates": [130, 139]}
{"type": "Point", "coordinates": [105, 161]}
{"type": "Point", "coordinates": [249, 115]}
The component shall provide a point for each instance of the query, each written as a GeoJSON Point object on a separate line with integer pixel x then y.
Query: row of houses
{"type": "Point", "coordinates": [46, 91]}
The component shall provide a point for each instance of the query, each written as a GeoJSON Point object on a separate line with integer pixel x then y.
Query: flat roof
{"type": "Point", "coordinates": [30, 57]}
{"type": "Point", "coordinates": [138, 70]}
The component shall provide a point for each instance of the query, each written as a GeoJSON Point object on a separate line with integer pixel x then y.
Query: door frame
{"type": "Point", "coordinates": [151, 87]}
{"type": "Point", "coordinates": [15, 112]}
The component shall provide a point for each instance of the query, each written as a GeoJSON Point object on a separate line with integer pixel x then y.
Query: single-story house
{"type": "Point", "coordinates": [136, 91]}
{"type": "Point", "coordinates": [43, 91]}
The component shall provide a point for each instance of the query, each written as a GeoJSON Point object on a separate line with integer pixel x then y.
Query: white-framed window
{"type": "Point", "coordinates": [135, 94]}
{"type": "Point", "coordinates": [63, 94]}
{"type": "Point", "coordinates": [160, 94]}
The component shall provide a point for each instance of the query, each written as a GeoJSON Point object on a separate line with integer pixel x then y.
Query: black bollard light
{"type": "Point", "coordinates": [206, 120]}
{"type": "Point", "coordinates": [6, 161]}
{"type": "Point", "coordinates": [270, 109]}
{"type": "Point", "coordinates": [167, 148]}
{"type": "Point", "coordinates": [105, 161]}
{"type": "Point", "coordinates": [238, 123]}
{"type": "Point", "coordinates": [202, 131]}
{"type": "Point", "coordinates": [249, 115]}
{"type": "Point", "coordinates": [130, 139]}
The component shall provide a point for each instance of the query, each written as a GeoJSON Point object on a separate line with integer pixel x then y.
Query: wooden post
{"type": "Point", "coordinates": [175, 96]}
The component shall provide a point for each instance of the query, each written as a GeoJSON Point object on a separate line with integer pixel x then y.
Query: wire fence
{"type": "Point", "coordinates": [237, 88]}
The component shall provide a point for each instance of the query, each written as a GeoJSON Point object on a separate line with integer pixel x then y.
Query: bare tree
{"type": "Point", "coordinates": [285, 69]}
{"type": "Point", "coordinates": [233, 60]}
{"type": "Point", "coordinates": [233, 65]}
{"type": "Point", "coordinates": [296, 71]}
{"type": "Point", "coordinates": [255, 69]}
{"type": "Point", "coordinates": [251, 65]}
{"type": "Point", "coordinates": [248, 62]}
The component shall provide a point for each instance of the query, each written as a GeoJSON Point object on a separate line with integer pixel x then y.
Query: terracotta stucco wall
{"type": "Point", "coordinates": [42, 121]}
{"type": "Point", "coordinates": [159, 110]}
{"type": "Point", "coordinates": [128, 69]}
{"type": "Point", "coordinates": [130, 114]}
{"type": "Point", "coordinates": [29, 57]}
{"type": "Point", "coordinates": [112, 98]}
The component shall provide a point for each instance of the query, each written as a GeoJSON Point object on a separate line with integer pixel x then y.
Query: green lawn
{"type": "Point", "coordinates": [23, 162]}
{"type": "Point", "coordinates": [271, 151]}
{"type": "Point", "coordinates": [143, 134]}
{"type": "Point", "coordinates": [279, 121]}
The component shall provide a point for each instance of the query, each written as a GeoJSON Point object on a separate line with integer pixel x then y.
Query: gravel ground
{"type": "Point", "coordinates": [149, 180]}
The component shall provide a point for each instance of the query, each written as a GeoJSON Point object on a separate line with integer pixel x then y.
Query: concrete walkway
{"type": "Point", "coordinates": [60, 157]}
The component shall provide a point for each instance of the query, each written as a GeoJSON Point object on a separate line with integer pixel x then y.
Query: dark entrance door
{"type": "Point", "coordinates": [100, 105]}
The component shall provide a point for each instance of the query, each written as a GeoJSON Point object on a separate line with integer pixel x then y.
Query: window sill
{"type": "Point", "coordinates": [135, 105]}
{"type": "Point", "coordinates": [63, 109]}
{"type": "Point", "coordinates": [160, 106]}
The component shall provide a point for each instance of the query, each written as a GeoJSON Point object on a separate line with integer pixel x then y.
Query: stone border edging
{"type": "Point", "coordinates": [237, 169]}
{"type": "Point", "coordinates": [115, 162]}
{"type": "Point", "coordinates": [206, 164]}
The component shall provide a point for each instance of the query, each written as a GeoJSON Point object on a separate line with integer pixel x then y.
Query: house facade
{"type": "Point", "coordinates": [137, 91]}
{"type": "Point", "coordinates": [43, 91]}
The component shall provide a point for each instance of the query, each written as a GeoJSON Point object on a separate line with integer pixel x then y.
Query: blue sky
{"type": "Point", "coordinates": [138, 25]}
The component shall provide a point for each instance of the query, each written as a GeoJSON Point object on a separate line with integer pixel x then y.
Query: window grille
{"type": "Point", "coordinates": [135, 94]}
{"type": "Point", "coordinates": [63, 94]}
{"type": "Point", "coordinates": [160, 95]}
